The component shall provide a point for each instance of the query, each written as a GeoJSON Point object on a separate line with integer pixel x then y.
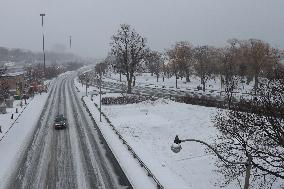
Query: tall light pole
{"type": "Point", "coordinates": [100, 93]}
{"type": "Point", "coordinates": [176, 147]}
{"type": "Point", "coordinates": [70, 41]}
{"type": "Point", "coordinates": [87, 80]}
{"type": "Point", "coordinates": [163, 71]}
{"type": "Point", "coordinates": [42, 15]}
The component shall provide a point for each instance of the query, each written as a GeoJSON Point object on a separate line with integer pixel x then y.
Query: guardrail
{"type": "Point", "coordinates": [129, 148]}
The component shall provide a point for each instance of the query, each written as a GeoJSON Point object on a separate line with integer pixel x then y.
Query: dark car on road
{"type": "Point", "coordinates": [60, 122]}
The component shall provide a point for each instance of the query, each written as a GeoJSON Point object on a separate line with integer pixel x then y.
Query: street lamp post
{"type": "Point", "coordinates": [176, 147]}
{"type": "Point", "coordinates": [100, 94]}
{"type": "Point", "coordinates": [42, 15]}
{"type": "Point", "coordinates": [87, 87]}
{"type": "Point", "coordinates": [163, 71]}
{"type": "Point", "coordinates": [70, 41]}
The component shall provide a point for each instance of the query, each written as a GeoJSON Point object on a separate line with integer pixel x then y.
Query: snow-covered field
{"type": "Point", "coordinates": [145, 79]}
{"type": "Point", "coordinates": [150, 128]}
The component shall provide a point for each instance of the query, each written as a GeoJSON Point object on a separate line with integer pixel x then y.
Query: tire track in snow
{"type": "Point", "coordinates": [103, 160]}
{"type": "Point", "coordinates": [61, 172]}
{"type": "Point", "coordinates": [28, 173]}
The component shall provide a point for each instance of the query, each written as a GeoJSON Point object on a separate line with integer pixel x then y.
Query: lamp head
{"type": "Point", "coordinates": [176, 148]}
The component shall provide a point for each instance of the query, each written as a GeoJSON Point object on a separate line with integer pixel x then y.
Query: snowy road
{"type": "Point", "coordinates": [77, 157]}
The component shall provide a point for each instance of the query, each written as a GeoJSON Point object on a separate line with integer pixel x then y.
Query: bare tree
{"type": "Point", "coordinates": [101, 68]}
{"type": "Point", "coordinates": [258, 133]}
{"type": "Point", "coordinates": [130, 48]}
{"type": "Point", "coordinates": [118, 66]}
{"type": "Point", "coordinates": [203, 66]}
{"type": "Point", "coordinates": [181, 56]}
{"type": "Point", "coordinates": [258, 55]}
{"type": "Point", "coordinates": [154, 62]}
{"type": "Point", "coordinates": [173, 62]}
{"type": "Point", "coordinates": [230, 70]}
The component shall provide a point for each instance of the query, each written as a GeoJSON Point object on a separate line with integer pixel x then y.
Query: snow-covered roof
{"type": "Point", "coordinates": [9, 64]}
{"type": "Point", "coordinates": [13, 74]}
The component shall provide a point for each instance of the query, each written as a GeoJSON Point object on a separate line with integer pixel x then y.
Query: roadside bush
{"type": "Point", "coordinates": [125, 99]}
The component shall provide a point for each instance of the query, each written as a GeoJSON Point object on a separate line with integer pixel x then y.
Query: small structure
{"type": "Point", "coordinates": [9, 102]}
{"type": "Point", "coordinates": [3, 108]}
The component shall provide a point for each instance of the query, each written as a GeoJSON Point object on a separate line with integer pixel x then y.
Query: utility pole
{"type": "Point", "coordinates": [100, 93]}
{"type": "Point", "coordinates": [42, 15]}
{"type": "Point", "coordinates": [86, 87]}
{"type": "Point", "coordinates": [70, 41]}
{"type": "Point", "coordinates": [87, 81]}
{"type": "Point", "coordinates": [163, 71]}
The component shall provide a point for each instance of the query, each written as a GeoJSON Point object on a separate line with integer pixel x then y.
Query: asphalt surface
{"type": "Point", "coordinates": [77, 157]}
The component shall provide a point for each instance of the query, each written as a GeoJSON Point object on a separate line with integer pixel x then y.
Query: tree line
{"type": "Point", "coordinates": [30, 57]}
{"type": "Point", "coordinates": [239, 61]}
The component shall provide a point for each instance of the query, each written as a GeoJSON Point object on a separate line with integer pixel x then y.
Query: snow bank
{"type": "Point", "coordinates": [13, 143]}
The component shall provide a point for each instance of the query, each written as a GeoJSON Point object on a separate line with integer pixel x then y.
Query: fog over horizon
{"type": "Point", "coordinates": [91, 23]}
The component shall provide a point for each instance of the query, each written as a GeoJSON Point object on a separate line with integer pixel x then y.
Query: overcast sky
{"type": "Point", "coordinates": [163, 22]}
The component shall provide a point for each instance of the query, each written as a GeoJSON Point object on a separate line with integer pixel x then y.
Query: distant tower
{"type": "Point", "coordinates": [70, 41]}
{"type": "Point", "coordinates": [42, 15]}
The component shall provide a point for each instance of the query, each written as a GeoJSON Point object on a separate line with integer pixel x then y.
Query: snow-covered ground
{"type": "Point", "coordinates": [150, 127]}
{"type": "Point", "coordinates": [145, 79]}
{"type": "Point", "coordinates": [5, 119]}
{"type": "Point", "coordinates": [6, 122]}
{"type": "Point", "coordinates": [16, 132]}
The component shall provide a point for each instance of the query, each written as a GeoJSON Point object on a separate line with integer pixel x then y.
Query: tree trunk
{"type": "Point", "coordinates": [120, 76]}
{"type": "Point", "coordinates": [229, 96]}
{"type": "Point", "coordinates": [255, 83]}
{"type": "Point", "coordinates": [129, 85]}
{"type": "Point", "coordinates": [203, 84]}
{"type": "Point", "coordinates": [187, 78]}
{"type": "Point", "coordinates": [221, 81]}
{"type": "Point", "coordinates": [176, 82]}
{"type": "Point", "coordinates": [157, 77]}
{"type": "Point", "coordinates": [134, 80]}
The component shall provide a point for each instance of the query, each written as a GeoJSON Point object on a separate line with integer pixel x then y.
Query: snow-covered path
{"type": "Point", "coordinates": [77, 157]}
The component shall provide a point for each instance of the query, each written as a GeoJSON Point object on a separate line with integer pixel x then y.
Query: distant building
{"type": "Point", "coordinates": [12, 82]}
{"type": "Point", "coordinates": [3, 108]}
